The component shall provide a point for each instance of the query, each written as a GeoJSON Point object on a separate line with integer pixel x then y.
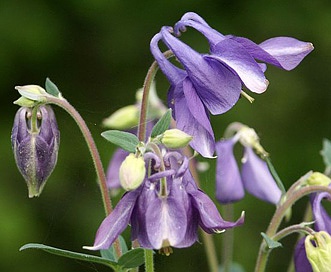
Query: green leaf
{"type": "Point", "coordinates": [125, 140]}
{"type": "Point", "coordinates": [132, 258]}
{"type": "Point", "coordinates": [326, 152]}
{"type": "Point", "coordinates": [271, 243]}
{"type": "Point", "coordinates": [51, 88]}
{"type": "Point", "coordinates": [72, 255]}
{"type": "Point", "coordinates": [25, 102]}
{"type": "Point", "coordinates": [110, 253]}
{"type": "Point", "coordinates": [162, 125]}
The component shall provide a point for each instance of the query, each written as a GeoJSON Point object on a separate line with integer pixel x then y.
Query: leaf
{"type": "Point", "coordinates": [271, 243]}
{"type": "Point", "coordinates": [326, 152]}
{"type": "Point", "coordinates": [132, 258]}
{"type": "Point", "coordinates": [51, 88]}
{"type": "Point", "coordinates": [125, 140]}
{"type": "Point", "coordinates": [110, 253]}
{"type": "Point", "coordinates": [162, 125]}
{"type": "Point", "coordinates": [72, 255]}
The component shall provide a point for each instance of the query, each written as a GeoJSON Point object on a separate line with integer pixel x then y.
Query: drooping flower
{"type": "Point", "coordinates": [212, 83]}
{"type": "Point", "coordinates": [35, 141]}
{"type": "Point", "coordinates": [322, 222]}
{"type": "Point", "coordinates": [165, 211]}
{"type": "Point", "coordinates": [254, 176]}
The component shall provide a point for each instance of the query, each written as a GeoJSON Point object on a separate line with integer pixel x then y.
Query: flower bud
{"type": "Point", "coordinates": [124, 118]}
{"type": "Point", "coordinates": [132, 172]}
{"type": "Point", "coordinates": [175, 138]}
{"type": "Point", "coordinates": [35, 141]}
{"type": "Point", "coordinates": [318, 250]}
{"type": "Point", "coordinates": [317, 178]}
{"type": "Point", "coordinates": [32, 92]}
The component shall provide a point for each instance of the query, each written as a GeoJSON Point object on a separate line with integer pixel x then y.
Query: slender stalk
{"type": "Point", "coordinates": [144, 102]}
{"type": "Point", "coordinates": [207, 238]}
{"type": "Point", "coordinates": [149, 261]}
{"type": "Point", "coordinates": [64, 104]}
{"type": "Point", "coordinates": [228, 239]}
{"type": "Point", "coordinates": [278, 217]}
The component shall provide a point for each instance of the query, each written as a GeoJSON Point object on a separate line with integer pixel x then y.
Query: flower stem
{"type": "Point", "coordinates": [64, 104]}
{"type": "Point", "coordinates": [207, 238]}
{"type": "Point", "coordinates": [227, 241]}
{"type": "Point", "coordinates": [144, 102]}
{"type": "Point", "coordinates": [278, 217]}
{"type": "Point", "coordinates": [149, 260]}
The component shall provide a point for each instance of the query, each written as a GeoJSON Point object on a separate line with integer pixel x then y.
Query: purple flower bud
{"type": "Point", "coordinates": [35, 141]}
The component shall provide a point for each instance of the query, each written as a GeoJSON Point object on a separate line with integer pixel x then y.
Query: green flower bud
{"type": "Point", "coordinates": [124, 118]}
{"type": "Point", "coordinates": [319, 252]}
{"type": "Point", "coordinates": [132, 172]}
{"type": "Point", "coordinates": [317, 178]}
{"type": "Point", "coordinates": [32, 92]}
{"type": "Point", "coordinates": [175, 138]}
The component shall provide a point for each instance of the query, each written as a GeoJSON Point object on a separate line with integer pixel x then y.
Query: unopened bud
{"type": "Point", "coordinates": [318, 250]}
{"type": "Point", "coordinates": [175, 138]}
{"type": "Point", "coordinates": [124, 118]}
{"type": "Point", "coordinates": [33, 92]}
{"type": "Point", "coordinates": [35, 141]}
{"type": "Point", "coordinates": [132, 172]}
{"type": "Point", "coordinates": [317, 178]}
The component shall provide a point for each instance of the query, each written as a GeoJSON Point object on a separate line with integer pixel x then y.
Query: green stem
{"type": "Point", "coordinates": [149, 260]}
{"type": "Point", "coordinates": [207, 238]}
{"type": "Point", "coordinates": [280, 212]}
{"type": "Point", "coordinates": [227, 241]}
{"type": "Point", "coordinates": [144, 102]}
{"type": "Point", "coordinates": [64, 104]}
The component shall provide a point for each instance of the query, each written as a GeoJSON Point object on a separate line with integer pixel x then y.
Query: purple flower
{"type": "Point", "coordinates": [35, 141]}
{"type": "Point", "coordinates": [165, 211]}
{"type": "Point", "coordinates": [322, 223]}
{"type": "Point", "coordinates": [212, 83]}
{"type": "Point", "coordinates": [255, 176]}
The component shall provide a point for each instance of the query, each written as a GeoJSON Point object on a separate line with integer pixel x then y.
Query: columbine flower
{"type": "Point", "coordinates": [165, 211]}
{"type": "Point", "coordinates": [35, 140]}
{"type": "Point", "coordinates": [255, 176]}
{"type": "Point", "coordinates": [212, 83]}
{"type": "Point", "coordinates": [322, 223]}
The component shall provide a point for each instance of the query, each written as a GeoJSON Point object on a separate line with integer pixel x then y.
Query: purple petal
{"type": "Point", "coordinates": [301, 262]}
{"type": "Point", "coordinates": [257, 178]}
{"type": "Point", "coordinates": [113, 180]}
{"type": "Point", "coordinates": [211, 34]}
{"type": "Point", "coordinates": [218, 88]}
{"type": "Point", "coordinates": [165, 221]}
{"type": "Point", "coordinates": [203, 136]}
{"type": "Point", "coordinates": [210, 219]}
{"type": "Point", "coordinates": [115, 223]}
{"type": "Point", "coordinates": [229, 187]}
{"type": "Point", "coordinates": [288, 51]}
{"type": "Point", "coordinates": [235, 56]}
{"type": "Point", "coordinates": [173, 73]}
{"type": "Point", "coordinates": [321, 217]}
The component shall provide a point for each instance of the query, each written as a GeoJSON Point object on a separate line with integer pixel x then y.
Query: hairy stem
{"type": "Point", "coordinates": [64, 104]}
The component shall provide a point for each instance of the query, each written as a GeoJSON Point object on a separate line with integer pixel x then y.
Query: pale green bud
{"type": "Point", "coordinates": [132, 172]}
{"type": "Point", "coordinates": [248, 137]}
{"type": "Point", "coordinates": [317, 178]}
{"type": "Point", "coordinates": [124, 118]}
{"type": "Point", "coordinates": [319, 253]}
{"type": "Point", "coordinates": [175, 138]}
{"type": "Point", "coordinates": [32, 92]}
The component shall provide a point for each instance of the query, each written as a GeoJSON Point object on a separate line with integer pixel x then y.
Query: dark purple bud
{"type": "Point", "coordinates": [35, 141]}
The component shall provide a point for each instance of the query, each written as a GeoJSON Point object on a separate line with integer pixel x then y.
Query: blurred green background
{"type": "Point", "coordinates": [97, 52]}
